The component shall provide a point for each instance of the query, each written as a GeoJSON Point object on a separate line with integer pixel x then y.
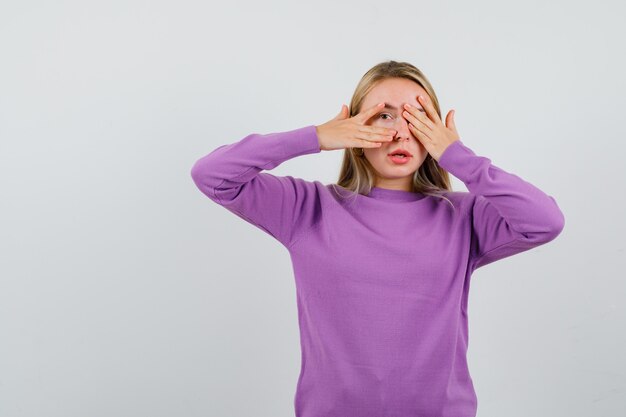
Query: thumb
{"type": "Point", "coordinates": [450, 121]}
{"type": "Point", "coordinates": [343, 114]}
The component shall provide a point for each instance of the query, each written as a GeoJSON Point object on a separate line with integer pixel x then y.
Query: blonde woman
{"type": "Point", "coordinates": [383, 259]}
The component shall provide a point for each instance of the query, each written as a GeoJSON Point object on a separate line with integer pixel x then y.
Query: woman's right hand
{"type": "Point", "coordinates": [351, 132]}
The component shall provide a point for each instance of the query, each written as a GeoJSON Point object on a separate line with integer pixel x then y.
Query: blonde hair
{"type": "Point", "coordinates": [356, 173]}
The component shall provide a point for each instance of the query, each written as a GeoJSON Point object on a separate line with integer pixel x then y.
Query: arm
{"type": "Point", "coordinates": [231, 176]}
{"type": "Point", "coordinates": [509, 215]}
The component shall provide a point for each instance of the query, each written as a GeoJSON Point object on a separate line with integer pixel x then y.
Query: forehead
{"type": "Point", "coordinates": [395, 91]}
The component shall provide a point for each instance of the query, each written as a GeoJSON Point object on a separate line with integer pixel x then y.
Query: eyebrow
{"type": "Point", "coordinates": [392, 107]}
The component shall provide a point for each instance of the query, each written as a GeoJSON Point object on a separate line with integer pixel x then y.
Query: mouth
{"type": "Point", "coordinates": [401, 153]}
{"type": "Point", "coordinates": [400, 156]}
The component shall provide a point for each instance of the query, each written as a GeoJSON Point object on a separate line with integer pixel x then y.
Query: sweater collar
{"type": "Point", "coordinates": [395, 195]}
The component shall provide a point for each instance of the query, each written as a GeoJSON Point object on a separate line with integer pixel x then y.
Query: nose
{"type": "Point", "coordinates": [402, 127]}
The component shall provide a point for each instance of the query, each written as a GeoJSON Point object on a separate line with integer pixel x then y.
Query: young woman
{"type": "Point", "coordinates": [383, 259]}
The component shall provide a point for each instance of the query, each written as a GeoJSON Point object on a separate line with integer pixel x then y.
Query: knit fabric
{"type": "Point", "coordinates": [382, 279]}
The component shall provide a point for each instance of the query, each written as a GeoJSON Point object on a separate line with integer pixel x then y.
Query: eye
{"type": "Point", "coordinates": [384, 114]}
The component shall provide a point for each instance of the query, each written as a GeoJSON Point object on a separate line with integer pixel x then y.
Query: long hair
{"type": "Point", "coordinates": [356, 173]}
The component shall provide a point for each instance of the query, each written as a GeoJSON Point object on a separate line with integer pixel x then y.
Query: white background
{"type": "Point", "coordinates": [124, 291]}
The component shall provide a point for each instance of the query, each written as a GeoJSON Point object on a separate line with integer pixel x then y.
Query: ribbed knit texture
{"type": "Point", "coordinates": [382, 279]}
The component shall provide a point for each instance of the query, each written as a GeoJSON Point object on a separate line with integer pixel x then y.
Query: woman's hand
{"type": "Point", "coordinates": [351, 132]}
{"type": "Point", "coordinates": [429, 129]}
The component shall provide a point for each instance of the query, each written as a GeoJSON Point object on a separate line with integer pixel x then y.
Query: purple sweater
{"type": "Point", "coordinates": [382, 280]}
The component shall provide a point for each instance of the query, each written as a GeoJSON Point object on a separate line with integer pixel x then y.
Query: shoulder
{"type": "Point", "coordinates": [463, 201]}
{"type": "Point", "coordinates": [309, 190]}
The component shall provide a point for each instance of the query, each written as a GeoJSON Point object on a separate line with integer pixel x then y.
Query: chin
{"type": "Point", "coordinates": [394, 171]}
{"type": "Point", "coordinates": [399, 173]}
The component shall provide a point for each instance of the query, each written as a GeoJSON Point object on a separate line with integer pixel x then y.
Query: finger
{"type": "Point", "coordinates": [418, 133]}
{"type": "Point", "coordinates": [418, 118]}
{"type": "Point", "coordinates": [373, 136]}
{"type": "Point", "coordinates": [450, 121]}
{"type": "Point", "coordinates": [343, 113]}
{"type": "Point", "coordinates": [367, 114]}
{"type": "Point", "coordinates": [377, 129]}
{"type": "Point", "coordinates": [430, 109]}
{"type": "Point", "coordinates": [367, 144]}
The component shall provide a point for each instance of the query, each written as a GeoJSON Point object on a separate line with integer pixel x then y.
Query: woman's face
{"type": "Point", "coordinates": [395, 92]}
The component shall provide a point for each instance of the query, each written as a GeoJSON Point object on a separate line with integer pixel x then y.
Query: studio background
{"type": "Point", "coordinates": [124, 291]}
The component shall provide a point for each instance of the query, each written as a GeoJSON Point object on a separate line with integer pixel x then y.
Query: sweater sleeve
{"type": "Point", "coordinates": [279, 205]}
{"type": "Point", "coordinates": [508, 214]}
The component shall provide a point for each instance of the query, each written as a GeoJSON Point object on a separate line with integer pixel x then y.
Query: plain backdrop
{"type": "Point", "coordinates": [124, 291]}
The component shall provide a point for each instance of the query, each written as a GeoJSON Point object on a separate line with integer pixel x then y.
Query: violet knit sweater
{"type": "Point", "coordinates": [382, 280]}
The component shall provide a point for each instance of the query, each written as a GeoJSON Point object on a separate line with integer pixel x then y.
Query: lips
{"type": "Point", "coordinates": [401, 152]}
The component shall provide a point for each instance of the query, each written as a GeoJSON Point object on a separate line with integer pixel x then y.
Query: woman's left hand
{"type": "Point", "coordinates": [429, 129]}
